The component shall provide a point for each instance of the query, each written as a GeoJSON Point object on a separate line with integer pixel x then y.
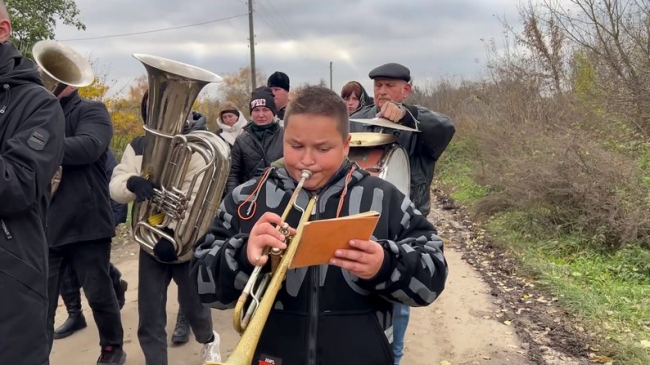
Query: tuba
{"type": "Point", "coordinates": [262, 288]}
{"type": "Point", "coordinates": [61, 65]}
{"type": "Point", "coordinates": [173, 88]}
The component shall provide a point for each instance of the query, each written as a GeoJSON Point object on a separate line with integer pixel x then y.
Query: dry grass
{"type": "Point", "coordinates": [546, 156]}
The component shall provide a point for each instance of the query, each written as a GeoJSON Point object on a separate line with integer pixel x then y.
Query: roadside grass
{"type": "Point", "coordinates": [609, 292]}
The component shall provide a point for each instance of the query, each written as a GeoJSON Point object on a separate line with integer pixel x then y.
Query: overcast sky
{"type": "Point", "coordinates": [433, 38]}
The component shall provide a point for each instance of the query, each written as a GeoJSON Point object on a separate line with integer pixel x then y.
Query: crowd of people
{"type": "Point", "coordinates": [63, 194]}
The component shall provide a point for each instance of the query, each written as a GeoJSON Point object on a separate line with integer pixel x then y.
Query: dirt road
{"type": "Point", "coordinates": [463, 327]}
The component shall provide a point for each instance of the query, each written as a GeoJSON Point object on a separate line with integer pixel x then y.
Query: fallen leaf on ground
{"type": "Point", "coordinates": [600, 359]}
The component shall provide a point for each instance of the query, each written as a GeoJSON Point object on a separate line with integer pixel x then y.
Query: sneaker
{"type": "Point", "coordinates": [120, 292]}
{"type": "Point", "coordinates": [181, 331]}
{"type": "Point", "coordinates": [210, 350]}
{"type": "Point", "coordinates": [112, 355]}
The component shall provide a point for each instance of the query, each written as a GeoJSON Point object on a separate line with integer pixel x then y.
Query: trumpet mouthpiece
{"type": "Point", "coordinates": [306, 174]}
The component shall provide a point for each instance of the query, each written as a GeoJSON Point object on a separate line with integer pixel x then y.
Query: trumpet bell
{"type": "Point", "coordinates": [60, 64]}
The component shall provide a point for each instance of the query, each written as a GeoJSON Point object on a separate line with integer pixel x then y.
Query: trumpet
{"type": "Point", "coordinates": [250, 323]}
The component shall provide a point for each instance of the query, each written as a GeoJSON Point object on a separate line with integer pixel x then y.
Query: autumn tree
{"type": "Point", "coordinates": [101, 83]}
{"type": "Point", "coordinates": [125, 113]}
{"type": "Point", "coordinates": [546, 58]}
{"type": "Point", "coordinates": [236, 87]}
{"type": "Point", "coordinates": [612, 35]}
{"type": "Point", "coordinates": [34, 20]}
{"type": "Point", "coordinates": [138, 87]}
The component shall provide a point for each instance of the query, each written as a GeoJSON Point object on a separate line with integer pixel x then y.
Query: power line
{"type": "Point", "coordinates": [153, 30]}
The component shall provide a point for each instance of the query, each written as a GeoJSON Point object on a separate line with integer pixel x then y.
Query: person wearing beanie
{"type": "Point", "coordinates": [278, 82]}
{"type": "Point", "coordinates": [127, 185]}
{"type": "Point", "coordinates": [231, 123]}
{"type": "Point", "coordinates": [260, 142]}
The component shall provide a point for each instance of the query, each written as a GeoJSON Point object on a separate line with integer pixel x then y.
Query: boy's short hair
{"type": "Point", "coordinates": [318, 100]}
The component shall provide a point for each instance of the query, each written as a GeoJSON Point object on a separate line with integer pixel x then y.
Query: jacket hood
{"type": "Point", "coordinates": [230, 132]}
{"type": "Point", "coordinates": [240, 124]}
{"type": "Point", "coordinates": [364, 98]}
{"type": "Point", "coordinates": [15, 69]}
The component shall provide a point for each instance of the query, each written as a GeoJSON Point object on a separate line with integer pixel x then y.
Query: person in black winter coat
{"type": "Point", "coordinates": [259, 144]}
{"type": "Point", "coordinates": [337, 313]}
{"type": "Point", "coordinates": [70, 286]}
{"type": "Point", "coordinates": [81, 224]}
{"type": "Point", "coordinates": [31, 149]}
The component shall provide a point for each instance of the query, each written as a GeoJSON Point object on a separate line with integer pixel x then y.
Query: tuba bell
{"type": "Point", "coordinates": [61, 65]}
{"type": "Point", "coordinates": [173, 88]}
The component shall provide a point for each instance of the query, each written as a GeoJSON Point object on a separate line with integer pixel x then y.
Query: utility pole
{"type": "Point", "coordinates": [331, 87]}
{"type": "Point", "coordinates": [251, 37]}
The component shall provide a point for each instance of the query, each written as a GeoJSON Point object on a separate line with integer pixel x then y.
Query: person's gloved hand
{"type": "Point", "coordinates": [164, 250]}
{"type": "Point", "coordinates": [141, 187]}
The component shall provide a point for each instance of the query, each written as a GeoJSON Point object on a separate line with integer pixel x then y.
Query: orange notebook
{"type": "Point", "coordinates": [320, 239]}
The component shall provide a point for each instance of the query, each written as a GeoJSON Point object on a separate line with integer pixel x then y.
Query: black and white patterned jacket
{"type": "Point", "coordinates": [324, 314]}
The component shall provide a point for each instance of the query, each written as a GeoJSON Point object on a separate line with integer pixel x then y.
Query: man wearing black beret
{"type": "Point", "coordinates": [279, 84]}
{"type": "Point", "coordinates": [392, 85]}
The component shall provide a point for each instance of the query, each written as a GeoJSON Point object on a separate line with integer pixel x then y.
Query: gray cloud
{"type": "Point", "coordinates": [432, 38]}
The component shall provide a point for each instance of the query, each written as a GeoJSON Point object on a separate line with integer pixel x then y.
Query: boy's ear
{"type": "Point", "coordinates": [346, 144]}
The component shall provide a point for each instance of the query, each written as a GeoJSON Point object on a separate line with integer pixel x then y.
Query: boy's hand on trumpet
{"type": "Point", "coordinates": [364, 260]}
{"type": "Point", "coordinates": [265, 233]}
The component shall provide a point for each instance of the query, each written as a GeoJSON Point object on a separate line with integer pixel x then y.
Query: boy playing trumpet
{"type": "Point", "coordinates": [329, 314]}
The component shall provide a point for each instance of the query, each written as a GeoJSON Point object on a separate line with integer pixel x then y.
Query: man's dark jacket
{"type": "Point", "coordinates": [250, 155]}
{"type": "Point", "coordinates": [31, 150]}
{"type": "Point", "coordinates": [424, 148]}
{"type": "Point", "coordinates": [81, 208]}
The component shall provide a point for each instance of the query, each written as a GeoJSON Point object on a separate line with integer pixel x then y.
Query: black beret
{"type": "Point", "coordinates": [391, 71]}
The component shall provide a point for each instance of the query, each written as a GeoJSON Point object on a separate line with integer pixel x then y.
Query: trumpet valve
{"type": "Point", "coordinates": [284, 230]}
{"type": "Point", "coordinates": [276, 251]}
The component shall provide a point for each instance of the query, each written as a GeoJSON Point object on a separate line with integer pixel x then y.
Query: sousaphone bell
{"type": "Point", "coordinates": [61, 66]}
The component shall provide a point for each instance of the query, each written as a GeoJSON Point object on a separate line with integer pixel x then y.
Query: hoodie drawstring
{"type": "Point", "coordinates": [7, 99]}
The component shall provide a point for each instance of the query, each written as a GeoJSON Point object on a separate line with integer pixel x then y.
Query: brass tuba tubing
{"type": "Point", "coordinates": [245, 348]}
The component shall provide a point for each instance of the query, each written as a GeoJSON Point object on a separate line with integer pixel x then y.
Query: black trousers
{"type": "Point", "coordinates": [71, 294]}
{"type": "Point", "coordinates": [90, 261]}
{"type": "Point", "coordinates": [71, 287]}
{"type": "Point", "coordinates": [154, 278]}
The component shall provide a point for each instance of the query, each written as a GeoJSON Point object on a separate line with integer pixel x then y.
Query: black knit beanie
{"type": "Point", "coordinates": [278, 79]}
{"type": "Point", "coordinates": [262, 96]}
